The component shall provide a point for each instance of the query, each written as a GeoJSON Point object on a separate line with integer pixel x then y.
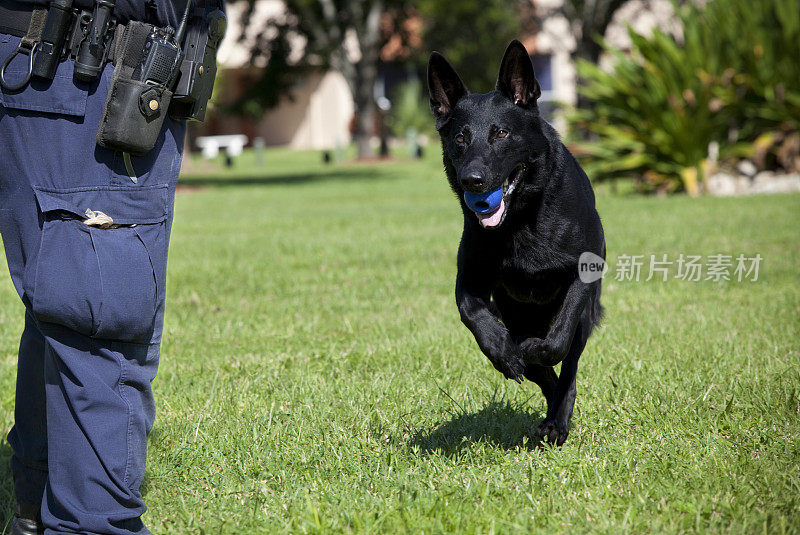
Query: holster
{"type": "Point", "coordinates": [134, 111]}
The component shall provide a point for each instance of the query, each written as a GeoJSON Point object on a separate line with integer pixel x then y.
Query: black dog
{"type": "Point", "coordinates": [518, 287]}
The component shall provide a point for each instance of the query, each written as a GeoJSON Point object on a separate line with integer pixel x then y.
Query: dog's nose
{"type": "Point", "coordinates": [473, 181]}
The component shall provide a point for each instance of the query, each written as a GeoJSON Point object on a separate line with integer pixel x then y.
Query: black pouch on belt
{"type": "Point", "coordinates": [135, 108]}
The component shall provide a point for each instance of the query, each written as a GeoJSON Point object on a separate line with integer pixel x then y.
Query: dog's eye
{"type": "Point", "coordinates": [502, 133]}
{"type": "Point", "coordinates": [460, 138]}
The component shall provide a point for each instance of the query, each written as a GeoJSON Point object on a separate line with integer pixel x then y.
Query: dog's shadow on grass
{"type": "Point", "coordinates": [498, 423]}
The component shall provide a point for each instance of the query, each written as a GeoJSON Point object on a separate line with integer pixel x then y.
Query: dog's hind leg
{"type": "Point", "coordinates": [555, 427]}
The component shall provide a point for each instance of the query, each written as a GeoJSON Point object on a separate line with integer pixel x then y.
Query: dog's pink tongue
{"type": "Point", "coordinates": [493, 219]}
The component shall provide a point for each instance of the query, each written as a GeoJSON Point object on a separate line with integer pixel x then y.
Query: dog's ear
{"type": "Point", "coordinates": [517, 80]}
{"type": "Point", "coordinates": [445, 88]}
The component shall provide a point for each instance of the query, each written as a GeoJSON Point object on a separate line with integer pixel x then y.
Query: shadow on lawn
{"type": "Point", "coordinates": [499, 424]}
{"type": "Point", "coordinates": [284, 179]}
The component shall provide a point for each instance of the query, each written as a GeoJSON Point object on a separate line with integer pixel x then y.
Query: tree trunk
{"type": "Point", "coordinates": [589, 50]}
{"type": "Point", "coordinates": [594, 17]}
{"type": "Point", "coordinates": [366, 72]}
{"type": "Point", "coordinates": [365, 112]}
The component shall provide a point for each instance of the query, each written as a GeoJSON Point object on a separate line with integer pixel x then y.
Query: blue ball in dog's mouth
{"type": "Point", "coordinates": [484, 203]}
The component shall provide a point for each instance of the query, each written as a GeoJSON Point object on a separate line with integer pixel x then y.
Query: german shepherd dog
{"type": "Point", "coordinates": [518, 287]}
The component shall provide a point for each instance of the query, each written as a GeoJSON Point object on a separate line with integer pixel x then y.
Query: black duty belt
{"type": "Point", "coordinates": [15, 17]}
{"type": "Point", "coordinates": [38, 27]}
{"type": "Point", "coordinates": [157, 69]}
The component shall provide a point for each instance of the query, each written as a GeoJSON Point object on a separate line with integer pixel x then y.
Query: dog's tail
{"type": "Point", "coordinates": [594, 311]}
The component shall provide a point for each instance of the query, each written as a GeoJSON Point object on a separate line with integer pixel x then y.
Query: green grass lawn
{"type": "Point", "coordinates": [315, 376]}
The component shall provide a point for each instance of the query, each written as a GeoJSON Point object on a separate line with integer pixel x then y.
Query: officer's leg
{"type": "Point", "coordinates": [100, 409]}
{"type": "Point", "coordinates": [21, 234]}
{"type": "Point", "coordinates": [28, 436]}
{"type": "Point", "coordinates": [102, 320]}
{"type": "Point", "coordinates": [96, 294]}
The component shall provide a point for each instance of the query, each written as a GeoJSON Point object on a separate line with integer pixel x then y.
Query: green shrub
{"type": "Point", "coordinates": [733, 77]}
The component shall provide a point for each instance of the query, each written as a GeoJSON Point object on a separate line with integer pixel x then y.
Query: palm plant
{"type": "Point", "coordinates": [732, 79]}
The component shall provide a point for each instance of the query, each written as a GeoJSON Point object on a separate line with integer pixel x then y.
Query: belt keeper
{"type": "Point", "coordinates": [27, 46]}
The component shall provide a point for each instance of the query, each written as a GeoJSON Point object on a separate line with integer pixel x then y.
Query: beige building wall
{"type": "Point", "coordinates": [318, 118]}
{"type": "Point", "coordinates": [319, 113]}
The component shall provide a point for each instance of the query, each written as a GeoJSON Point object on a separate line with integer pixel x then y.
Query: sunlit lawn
{"type": "Point", "coordinates": [315, 376]}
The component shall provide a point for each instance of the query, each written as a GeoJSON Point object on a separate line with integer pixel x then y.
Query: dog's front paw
{"type": "Point", "coordinates": [513, 367]}
{"type": "Point", "coordinates": [510, 365]}
{"type": "Point", "coordinates": [542, 352]}
{"type": "Point", "coordinates": [551, 432]}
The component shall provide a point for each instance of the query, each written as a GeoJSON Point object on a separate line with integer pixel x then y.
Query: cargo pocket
{"type": "Point", "coordinates": [105, 283]}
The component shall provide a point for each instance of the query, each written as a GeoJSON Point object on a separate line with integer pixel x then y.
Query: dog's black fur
{"type": "Point", "coordinates": [518, 288]}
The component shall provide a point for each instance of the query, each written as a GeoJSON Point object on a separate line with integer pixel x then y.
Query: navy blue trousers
{"type": "Point", "coordinates": [93, 299]}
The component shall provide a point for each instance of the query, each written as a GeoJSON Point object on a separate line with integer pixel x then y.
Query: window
{"type": "Point", "coordinates": [543, 67]}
